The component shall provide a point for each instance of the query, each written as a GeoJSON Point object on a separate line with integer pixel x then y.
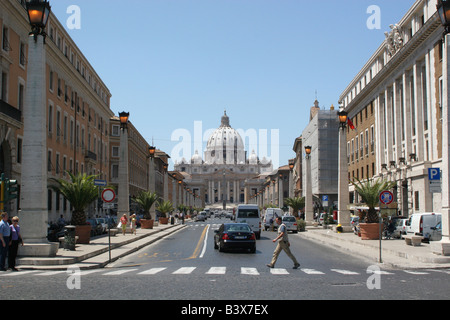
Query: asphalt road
{"type": "Point", "coordinates": [185, 266]}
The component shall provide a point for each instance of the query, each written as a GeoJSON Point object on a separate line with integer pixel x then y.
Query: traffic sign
{"type": "Point", "coordinates": [100, 183]}
{"type": "Point", "coordinates": [386, 197]}
{"type": "Point", "coordinates": [108, 195]}
{"type": "Point", "coordinates": [434, 174]}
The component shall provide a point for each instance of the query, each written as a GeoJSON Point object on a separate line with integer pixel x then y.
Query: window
{"type": "Point", "coordinates": [50, 119]}
{"type": "Point", "coordinates": [22, 54]}
{"type": "Point", "coordinates": [5, 42]}
{"type": "Point", "coordinates": [4, 88]}
{"type": "Point", "coordinates": [115, 152]}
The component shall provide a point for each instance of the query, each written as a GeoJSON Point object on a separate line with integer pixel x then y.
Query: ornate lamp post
{"type": "Point", "coordinates": [123, 205]}
{"type": "Point", "coordinates": [309, 208]}
{"type": "Point", "coordinates": [34, 212]}
{"type": "Point", "coordinates": [343, 212]}
{"type": "Point", "coordinates": [443, 247]}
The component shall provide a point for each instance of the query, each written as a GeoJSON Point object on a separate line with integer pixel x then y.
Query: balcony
{"type": "Point", "coordinates": [10, 111]}
{"type": "Point", "coordinates": [90, 157]}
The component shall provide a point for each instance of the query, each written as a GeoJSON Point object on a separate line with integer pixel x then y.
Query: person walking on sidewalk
{"type": "Point", "coordinates": [283, 244]}
{"type": "Point", "coordinates": [124, 222]}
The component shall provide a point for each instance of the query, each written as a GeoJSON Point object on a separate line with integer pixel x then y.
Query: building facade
{"type": "Point", "coordinates": [395, 103]}
{"type": "Point", "coordinates": [77, 105]}
{"type": "Point", "coordinates": [218, 179]}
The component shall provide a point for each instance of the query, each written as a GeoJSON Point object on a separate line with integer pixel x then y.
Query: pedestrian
{"type": "Point", "coordinates": [133, 224]}
{"type": "Point", "coordinates": [123, 222]}
{"type": "Point", "coordinates": [16, 238]}
{"type": "Point", "coordinates": [5, 234]}
{"type": "Point", "coordinates": [283, 244]}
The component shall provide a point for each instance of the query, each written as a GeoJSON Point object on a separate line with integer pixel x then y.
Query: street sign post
{"type": "Point", "coordinates": [434, 176]}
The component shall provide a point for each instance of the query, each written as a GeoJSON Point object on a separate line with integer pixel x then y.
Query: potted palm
{"type": "Point", "coordinates": [370, 191]}
{"type": "Point", "coordinates": [145, 200]}
{"type": "Point", "coordinates": [296, 204]}
{"type": "Point", "coordinates": [80, 191]}
{"type": "Point", "coordinates": [164, 207]}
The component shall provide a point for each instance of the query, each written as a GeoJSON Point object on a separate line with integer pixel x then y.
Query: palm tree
{"type": "Point", "coordinates": [80, 191]}
{"type": "Point", "coordinates": [370, 191]}
{"type": "Point", "coordinates": [296, 204]}
{"type": "Point", "coordinates": [146, 199]}
{"type": "Point", "coordinates": [164, 207]}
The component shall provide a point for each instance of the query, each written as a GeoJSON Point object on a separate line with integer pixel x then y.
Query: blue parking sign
{"type": "Point", "coordinates": [434, 174]}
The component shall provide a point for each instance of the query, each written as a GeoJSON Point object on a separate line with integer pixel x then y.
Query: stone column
{"type": "Point", "coordinates": [343, 212]}
{"type": "Point", "coordinates": [34, 213]}
{"type": "Point", "coordinates": [123, 205]}
{"type": "Point", "coordinates": [309, 208]}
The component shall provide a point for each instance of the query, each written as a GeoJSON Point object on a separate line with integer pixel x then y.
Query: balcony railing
{"type": "Point", "coordinates": [10, 111]}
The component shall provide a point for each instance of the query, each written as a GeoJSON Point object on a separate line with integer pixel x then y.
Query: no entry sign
{"type": "Point", "coordinates": [108, 195]}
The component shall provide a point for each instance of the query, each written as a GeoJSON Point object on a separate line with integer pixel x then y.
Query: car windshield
{"type": "Point", "coordinates": [237, 227]}
{"type": "Point", "coordinates": [248, 213]}
{"type": "Point", "coordinates": [289, 219]}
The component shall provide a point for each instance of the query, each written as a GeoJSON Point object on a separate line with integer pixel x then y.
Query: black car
{"type": "Point", "coordinates": [235, 236]}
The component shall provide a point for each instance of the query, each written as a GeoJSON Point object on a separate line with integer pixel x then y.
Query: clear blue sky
{"type": "Point", "coordinates": [172, 62]}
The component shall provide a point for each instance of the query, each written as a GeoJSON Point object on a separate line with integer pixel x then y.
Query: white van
{"type": "Point", "coordinates": [421, 223]}
{"type": "Point", "coordinates": [271, 215]}
{"type": "Point", "coordinates": [249, 213]}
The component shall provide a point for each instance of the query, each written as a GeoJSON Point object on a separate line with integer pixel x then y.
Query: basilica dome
{"type": "Point", "coordinates": [225, 145]}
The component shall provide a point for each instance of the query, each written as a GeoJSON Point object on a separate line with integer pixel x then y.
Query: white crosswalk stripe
{"type": "Point", "coordinates": [278, 271]}
{"type": "Point", "coordinates": [152, 271]}
{"type": "Point", "coordinates": [311, 271]}
{"type": "Point", "coordinates": [250, 271]}
{"type": "Point", "coordinates": [119, 272]}
{"type": "Point", "coordinates": [346, 272]}
{"type": "Point", "coordinates": [217, 270]}
{"type": "Point", "coordinates": [185, 270]}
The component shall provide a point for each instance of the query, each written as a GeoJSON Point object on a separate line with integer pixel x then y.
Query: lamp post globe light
{"type": "Point", "coordinates": [123, 205]}
{"type": "Point", "coordinates": [343, 198]}
{"type": "Point", "coordinates": [38, 14]}
{"type": "Point", "coordinates": [443, 247]}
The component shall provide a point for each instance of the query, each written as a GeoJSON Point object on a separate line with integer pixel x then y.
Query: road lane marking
{"type": "Point", "coordinates": [199, 244]}
{"type": "Point", "coordinates": [119, 272]}
{"type": "Point", "coordinates": [249, 271]}
{"type": "Point", "coordinates": [217, 270]}
{"type": "Point", "coordinates": [278, 271]}
{"type": "Point", "coordinates": [346, 272]}
{"type": "Point", "coordinates": [152, 271]}
{"type": "Point", "coordinates": [311, 271]}
{"type": "Point", "coordinates": [185, 270]}
{"type": "Point", "coordinates": [204, 243]}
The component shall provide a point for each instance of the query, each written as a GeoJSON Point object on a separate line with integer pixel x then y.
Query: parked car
{"type": "Point", "coordinates": [401, 227]}
{"type": "Point", "coordinates": [235, 236]}
{"type": "Point", "coordinates": [291, 223]}
{"type": "Point", "coordinates": [270, 216]}
{"type": "Point", "coordinates": [421, 224]}
{"type": "Point", "coordinates": [436, 232]}
{"type": "Point", "coordinates": [96, 228]}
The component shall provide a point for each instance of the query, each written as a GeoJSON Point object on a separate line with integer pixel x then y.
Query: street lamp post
{"type": "Point", "coordinates": [123, 206]}
{"type": "Point", "coordinates": [34, 211]}
{"type": "Point", "coordinates": [343, 212]}
{"type": "Point", "coordinates": [309, 208]}
{"type": "Point", "coordinates": [443, 247]}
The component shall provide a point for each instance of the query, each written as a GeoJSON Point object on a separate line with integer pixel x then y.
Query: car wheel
{"type": "Point", "coordinates": [215, 245]}
{"type": "Point", "coordinates": [253, 250]}
{"type": "Point", "coordinates": [221, 249]}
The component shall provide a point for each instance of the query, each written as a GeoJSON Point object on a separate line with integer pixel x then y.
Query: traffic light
{"type": "Point", "coordinates": [12, 190]}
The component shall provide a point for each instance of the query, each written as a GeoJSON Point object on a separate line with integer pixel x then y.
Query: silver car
{"type": "Point", "coordinates": [291, 223]}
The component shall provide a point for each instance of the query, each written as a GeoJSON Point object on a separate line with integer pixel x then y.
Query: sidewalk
{"type": "Point", "coordinates": [394, 253]}
{"type": "Point", "coordinates": [96, 254]}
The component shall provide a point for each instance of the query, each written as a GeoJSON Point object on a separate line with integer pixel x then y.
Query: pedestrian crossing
{"type": "Point", "coordinates": [218, 271]}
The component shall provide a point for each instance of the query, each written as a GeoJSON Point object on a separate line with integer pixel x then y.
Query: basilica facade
{"type": "Point", "coordinates": [218, 179]}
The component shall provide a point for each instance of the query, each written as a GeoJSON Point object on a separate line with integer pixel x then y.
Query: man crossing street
{"type": "Point", "coordinates": [283, 244]}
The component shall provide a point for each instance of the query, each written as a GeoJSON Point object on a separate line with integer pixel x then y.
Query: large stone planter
{"type": "Point", "coordinates": [147, 223]}
{"type": "Point", "coordinates": [164, 220]}
{"type": "Point", "coordinates": [369, 231]}
{"type": "Point", "coordinates": [83, 233]}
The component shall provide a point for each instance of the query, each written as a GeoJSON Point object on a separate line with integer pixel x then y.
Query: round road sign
{"type": "Point", "coordinates": [108, 195]}
{"type": "Point", "coordinates": [386, 197]}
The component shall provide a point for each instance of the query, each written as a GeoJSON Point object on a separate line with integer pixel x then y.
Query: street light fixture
{"type": "Point", "coordinates": [124, 119]}
{"type": "Point", "coordinates": [38, 13]}
{"type": "Point", "coordinates": [308, 150]}
{"type": "Point", "coordinates": [151, 151]}
{"type": "Point", "coordinates": [443, 7]}
{"type": "Point", "coordinates": [343, 117]}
